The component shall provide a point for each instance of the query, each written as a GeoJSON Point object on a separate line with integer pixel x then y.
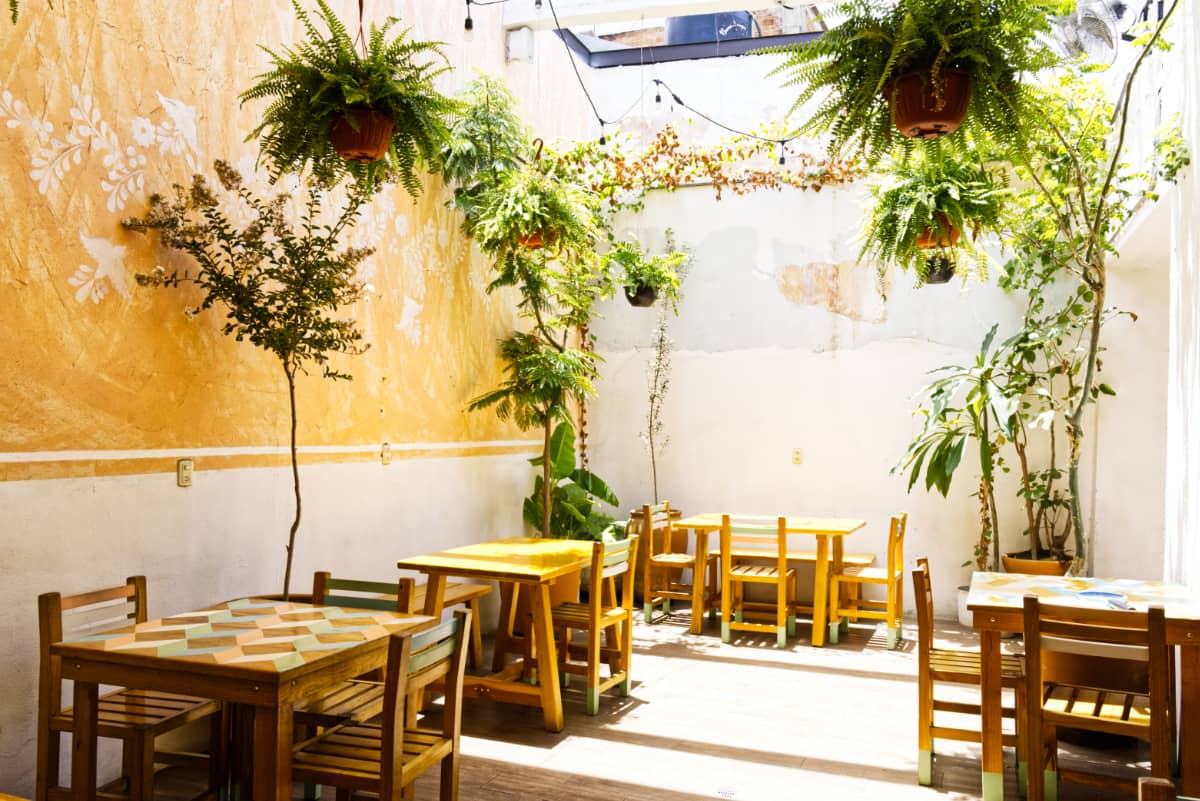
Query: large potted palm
{"type": "Point", "coordinates": [926, 214]}
{"type": "Point", "coordinates": [372, 113]}
{"type": "Point", "coordinates": [921, 68]}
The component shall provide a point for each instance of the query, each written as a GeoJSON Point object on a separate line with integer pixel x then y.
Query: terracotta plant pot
{"type": "Point", "coordinates": [641, 295]}
{"type": "Point", "coordinates": [534, 240]}
{"type": "Point", "coordinates": [369, 143]}
{"type": "Point", "coordinates": [915, 107]}
{"type": "Point", "coordinates": [941, 235]}
{"type": "Point", "coordinates": [939, 270]}
{"type": "Point", "coordinates": [1021, 563]}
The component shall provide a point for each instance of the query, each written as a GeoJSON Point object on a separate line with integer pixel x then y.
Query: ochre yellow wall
{"type": "Point", "coordinates": [102, 102]}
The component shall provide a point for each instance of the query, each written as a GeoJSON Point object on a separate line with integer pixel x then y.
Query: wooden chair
{"type": "Point", "coordinates": [601, 614]}
{"type": "Point", "coordinates": [386, 757]}
{"type": "Point", "coordinates": [136, 717]}
{"type": "Point", "coordinates": [1151, 789]}
{"type": "Point", "coordinates": [845, 589]}
{"type": "Point", "coordinates": [956, 667]}
{"type": "Point", "coordinates": [1136, 636]}
{"type": "Point", "coordinates": [662, 581]}
{"type": "Point", "coordinates": [764, 562]}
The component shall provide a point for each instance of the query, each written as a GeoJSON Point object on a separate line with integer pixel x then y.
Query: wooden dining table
{"type": "Point", "coordinates": [830, 534]}
{"type": "Point", "coordinates": [529, 565]}
{"type": "Point", "coordinates": [996, 603]}
{"type": "Point", "coordinates": [263, 655]}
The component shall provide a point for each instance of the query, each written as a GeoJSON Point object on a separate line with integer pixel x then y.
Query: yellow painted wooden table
{"type": "Point", "coordinates": [830, 533]}
{"type": "Point", "coordinates": [996, 602]}
{"type": "Point", "coordinates": [264, 655]}
{"type": "Point", "coordinates": [527, 562]}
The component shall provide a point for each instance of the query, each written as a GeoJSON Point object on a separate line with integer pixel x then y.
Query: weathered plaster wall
{"type": "Point", "coordinates": [105, 384]}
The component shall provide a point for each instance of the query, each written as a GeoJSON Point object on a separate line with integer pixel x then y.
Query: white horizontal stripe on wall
{"type": "Point", "coordinates": [256, 450]}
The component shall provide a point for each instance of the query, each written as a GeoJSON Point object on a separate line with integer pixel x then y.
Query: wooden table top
{"type": "Point", "coordinates": [512, 559]}
{"type": "Point", "coordinates": [1007, 591]}
{"type": "Point", "coordinates": [249, 636]}
{"type": "Point", "coordinates": [834, 526]}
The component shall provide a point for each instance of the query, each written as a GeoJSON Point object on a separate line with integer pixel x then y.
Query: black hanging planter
{"type": "Point", "coordinates": [939, 270]}
{"type": "Point", "coordinates": [641, 295]}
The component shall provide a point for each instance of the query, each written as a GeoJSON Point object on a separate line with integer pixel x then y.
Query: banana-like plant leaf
{"type": "Point", "coordinates": [562, 451]}
{"type": "Point", "coordinates": [595, 485]}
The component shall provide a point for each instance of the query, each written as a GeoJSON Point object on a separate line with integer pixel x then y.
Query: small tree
{"type": "Point", "coordinates": [280, 282]}
{"type": "Point", "coordinates": [658, 381]}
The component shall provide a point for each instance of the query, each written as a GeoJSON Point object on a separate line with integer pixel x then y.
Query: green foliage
{"type": "Point", "coordinates": [924, 194]}
{"type": "Point", "coordinates": [487, 142]}
{"type": "Point", "coordinates": [315, 83]}
{"type": "Point", "coordinates": [532, 202]}
{"type": "Point", "coordinates": [280, 283]}
{"type": "Point", "coordinates": [634, 268]}
{"type": "Point", "coordinates": [848, 70]}
{"type": "Point", "coordinates": [539, 382]}
{"type": "Point", "coordinates": [576, 493]}
{"type": "Point", "coordinates": [1172, 151]}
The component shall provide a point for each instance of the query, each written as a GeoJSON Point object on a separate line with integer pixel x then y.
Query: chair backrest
{"type": "Point", "coordinates": [896, 543]}
{"type": "Point", "coordinates": [61, 617]}
{"type": "Point", "coordinates": [415, 661]}
{"type": "Point", "coordinates": [923, 597]}
{"type": "Point", "coordinates": [609, 561]}
{"type": "Point", "coordinates": [655, 527]}
{"type": "Point", "coordinates": [773, 545]}
{"type": "Point", "coordinates": [356, 594]}
{"type": "Point", "coordinates": [1126, 635]}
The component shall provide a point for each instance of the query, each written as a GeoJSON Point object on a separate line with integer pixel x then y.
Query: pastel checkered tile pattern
{"type": "Point", "coordinates": [271, 636]}
{"type": "Point", "coordinates": [1010, 589]}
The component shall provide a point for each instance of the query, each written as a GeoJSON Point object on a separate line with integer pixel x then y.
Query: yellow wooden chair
{"type": "Point", "coordinates": [601, 614]}
{"type": "Point", "coordinates": [664, 563]}
{"type": "Point", "coordinates": [954, 666]}
{"type": "Point", "coordinates": [845, 589]}
{"type": "Point", "coordinates": [762, 561]}
{"type": "Point", "coordinates": [1137, 636]}
{"type": "Point", "coordinates": [135, 717]}
{"type": "Point", "coordinates": [386, 757]}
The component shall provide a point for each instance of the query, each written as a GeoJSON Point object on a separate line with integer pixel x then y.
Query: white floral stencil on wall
{"type": "Point", "coordinates": [93, 282]}
{"type": "Point", "coordinates": [88, 134]}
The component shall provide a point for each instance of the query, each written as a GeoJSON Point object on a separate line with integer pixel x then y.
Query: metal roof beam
{"type": "Point", "coordinates": [583, 13]}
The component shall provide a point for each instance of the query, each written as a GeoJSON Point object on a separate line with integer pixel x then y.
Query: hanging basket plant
{"type": "Point", "coordinates": [641, 295]}
{"type": "Point", "coordinates": [645, 277]}
{"type": "Point", "coordinates": [937, 64]}
{"type": "Point", "coordinates": [364, 106]}
{"type": "Point", "coordinates": [921, 207]}
{"type": "Point", "coordinates": [924, 107]}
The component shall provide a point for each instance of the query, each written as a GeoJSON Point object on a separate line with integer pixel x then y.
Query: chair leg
{"type": "Point", "coordinates": [1022, 741]}
{"type": "Point", "coordinates": [476, 654]}
{"type": "Point", "coordinates": [593, 671]}
{"type": "Point", "coordinates": [448, 791]}
{"type": "Point", "coordinates": [626, 656]}
{"type": "Point", "coordinates": [834, 627]}
{"type": "Point", "coordinates": [218, 752]}
{"type": "Point", "coordinates": [924, 730]}
{"type": "Point", "coordinates": [141, 767]}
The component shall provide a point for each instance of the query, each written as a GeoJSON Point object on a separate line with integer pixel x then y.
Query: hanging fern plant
{"type": "Point", "coordinates": [854, 70]}
{"type": "Point", "coordinates": [324, 91]}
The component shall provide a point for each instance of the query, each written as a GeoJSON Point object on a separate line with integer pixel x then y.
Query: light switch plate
{"type": "Point", "coordinates": [183, 472]}
{"type": "Point", "coordinates": [797, 456]}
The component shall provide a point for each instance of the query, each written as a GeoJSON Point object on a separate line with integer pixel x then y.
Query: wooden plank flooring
{"type": "Point", "coordinates": [738, 721]}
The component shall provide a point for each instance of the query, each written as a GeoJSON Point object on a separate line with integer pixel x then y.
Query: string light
{"type": "Point", "coordinates": [603, 139]}
{"type": "Point", "coordinates": [469, 24]}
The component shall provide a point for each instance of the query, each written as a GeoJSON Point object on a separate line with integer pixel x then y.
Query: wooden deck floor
{"type": "Point", "coordinates": [738, 721]}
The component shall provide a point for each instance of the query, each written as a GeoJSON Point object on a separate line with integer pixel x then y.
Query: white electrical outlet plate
{"type": "Point", "coordinates": [797, 456]}
{"type": "Point", "coordinates": [385, 453]}
{"type": "Point", "coordinates": [183, 472]}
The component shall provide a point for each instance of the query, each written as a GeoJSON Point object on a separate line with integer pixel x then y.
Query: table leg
{"type": "Point", "coordinates": [699, 581]}
{"type": "Point", "coordinates": [435, 596]}
{"type": "Point", "coordinates": [273, 753]}
{"type": "Point", "coordinates": [547, 656]}
{"type": "Point", "coordinates": [500, 647]}
{"type": "Point", "coordinates": [1189, 720]}
{"type": "Point", "coordinates": [835, 603]}
{"type": "Point", "coordinates": [83, 755]}
{"type": "Point", "coordinates": [989, 699]}
{"type": "Point", "coordinates": [820, 590]}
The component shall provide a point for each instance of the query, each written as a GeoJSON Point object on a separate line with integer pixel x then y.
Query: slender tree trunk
{"type": "Point", "coordinates": [653, 465]}
{"type": "Point", "coordinates": [1075, 421]}
{"type": "Point", "coordinates": [1032, 529]}
{"type": "Point", "coordinates": [547, 493]}
{"type": "Point", "coordinates": [290, 372]}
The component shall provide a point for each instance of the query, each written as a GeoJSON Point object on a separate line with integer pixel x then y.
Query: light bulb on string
{"type": "Point", "coordinates": [603, 138]}
{"type": "Point", "coordinates": [537, 6]}
{"type": "Point", "coordinates": [468, 24]}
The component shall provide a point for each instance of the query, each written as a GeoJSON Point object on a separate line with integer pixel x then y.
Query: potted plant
{"type": "Point", "coordinates": [280, 282]}
{"type": "Point", "coordinates": [576, 494]}
{"type": "Point", "coordinates": [375, 115]}
{"type": "Point", "coordinates": [919, 210]}
{"type": "Point", "coordinates": [923, 66]}
{"type": "Point", "coordinates": [645, 277]}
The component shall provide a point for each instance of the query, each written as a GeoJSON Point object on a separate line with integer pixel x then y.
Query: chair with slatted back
{"type": "Point", "coordinates": [601, 614]}
{"type": "Point", "coordinates": [1093, 705]}
{"type": "Point", "coordinates": [954, 666]}
{"type": "Point", "coordinates": [136, 717]}
{"type": "Point", "coordinates": [845, 589]}
{"type": "Point", "coordinates": [666, 560]}
{"type": "Point", "coordinates": [761, 560]}
{"type": "Point", "coordinates": [385, 757]}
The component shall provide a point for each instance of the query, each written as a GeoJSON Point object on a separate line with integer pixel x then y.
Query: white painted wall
{"type": "Point", "coordinates": [223, 538]}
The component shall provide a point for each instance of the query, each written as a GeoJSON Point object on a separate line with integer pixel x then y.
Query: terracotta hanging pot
{"type": "Point", "coordinates": [534, 240]}
{"type": "Point", "coordinates": [939, 270]}
{"type": "Point", "coordinates": [941, 235]}
{"type": "Point", "coordinates": [640, 295]}
{"type": "Point", "coordinates": [371, 140]}
{"type": "Point", "coordinates": [915, 107]}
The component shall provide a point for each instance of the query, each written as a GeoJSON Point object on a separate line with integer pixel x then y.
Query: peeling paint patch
{"type": "Point", "coordinates": [844, 288]}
